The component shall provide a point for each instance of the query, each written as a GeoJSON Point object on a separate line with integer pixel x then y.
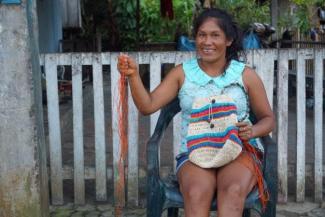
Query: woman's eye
{"type": "Point", "coordinates": [201, 35]}
{"type": "Point", "coordinates": [215, 35]}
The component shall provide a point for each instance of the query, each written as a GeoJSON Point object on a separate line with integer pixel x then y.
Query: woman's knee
{"type": "Point", "coordinates": [198, 193]}
{"type": "Point", "coordinates": [232, 190]}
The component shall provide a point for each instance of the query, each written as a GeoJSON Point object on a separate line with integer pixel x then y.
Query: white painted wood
{"type": "Point", "coordinates": [118, 162]}
{"type": "Point", "coordinates": [133, 151]}
{"type": "Point", "coordinates": [167, 57]}
{"type": "Point", "coordinates": [155, 79]}
{"type": "Point", "coordinates": [144, 57]}
{"type": "Point", "coordinates": [99, 119]}
{"type": "Point", "coordinates": [54, 129]}
{"type": "Point", "coordinates": [78, 147]}
{"type": "Point", "coordinates": [87, 58]}
{"type": "Point", "coordinates": [264, 60]}
{"type": "Point", "coordinates": [64, 59]}
{"type": "Point", "coordinates": [106, 58]}
{"type": "Point", "coordinates": [282, 125]}
{"type": "Point", "coordinates": [301, 126]}
{"type": "Point", "coordinates": [318, 124]}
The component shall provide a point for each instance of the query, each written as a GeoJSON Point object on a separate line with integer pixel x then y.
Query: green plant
{"type": "Point", "coordinates": [125, 15]}
{"type": "Point", "coordinates": [246, 12]}
{"type": "Point", "coordinates": [154, 28]}
{"type": "Point", "coordinates": [302, 18]}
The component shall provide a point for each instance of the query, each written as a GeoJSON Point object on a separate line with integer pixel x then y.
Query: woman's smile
{"type": "Point", "coordinates": [208, 50]}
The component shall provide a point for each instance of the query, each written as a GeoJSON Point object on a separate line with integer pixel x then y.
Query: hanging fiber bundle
{"type": "Point", "coordinates": [122, 132]}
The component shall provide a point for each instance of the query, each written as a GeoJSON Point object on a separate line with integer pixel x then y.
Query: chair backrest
{"type": "Point", "coordinates": [167, 113]}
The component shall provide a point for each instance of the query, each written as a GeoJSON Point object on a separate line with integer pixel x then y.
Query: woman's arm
{"type": "Point", "coordinates": [259, 105]}
{"type": "Point", "coordinates": [146, 102]}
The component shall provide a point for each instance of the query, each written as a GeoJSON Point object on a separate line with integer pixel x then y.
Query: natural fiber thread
{"type": "Point", "coordinates": [123, 117]}
{"type": "Point", "coordinates": [263, 192]}
{"type": "Point", "coordinates": [122, 132]}
{"type": "Point", "coordinates": [118, 211]}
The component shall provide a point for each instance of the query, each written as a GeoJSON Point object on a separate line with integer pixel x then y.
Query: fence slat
{"type": "Point", "coordinates": [87, 58]}
{"type": "Point", "coordinates": [318, 125]}
{"type": "Point", "coordinates": [54, 129]}
{"type": "Point", "coordinates": [118, 164]}
{"type": "Point", "coordinates": [265, 68]}
{"type": "Point", "coordinates": [64, 59]}
{"type": "Point", "coordinates": [99, 118]}
{"type": "Point", "coordinates": [167, 57]}
{"type": "Point", "coordinates": [144, 57]}
{"type": "Point", "coordinates": [78, 147]}
{"type": "Point", "coordinates": [282, 125]}
{"type": "Point", "coordinates": [133, 152]}
{"type": "Point", "coordinates": [301, 126]}
{"type": "Point", "coordinates": [155, 79]}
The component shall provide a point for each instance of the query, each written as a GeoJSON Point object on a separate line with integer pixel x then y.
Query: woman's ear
{"type": "Point", "coordinates": [229, 42]}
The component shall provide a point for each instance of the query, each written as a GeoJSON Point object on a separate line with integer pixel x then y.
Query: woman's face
{"type": "Point", "coordinates": [211, 41]}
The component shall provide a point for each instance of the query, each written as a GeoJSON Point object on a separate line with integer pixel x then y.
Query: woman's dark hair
{"type": "Point", "coordinates": [228, 25]}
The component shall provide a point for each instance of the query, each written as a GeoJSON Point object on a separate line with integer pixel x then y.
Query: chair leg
{"type": "Point", "coordinates": [247, 213]}
{"type": "Point", "coordinates": [172, 212]}
{"type": "Point", "coordinates": [155, 198]}
{"type": "Point", "coordinates": [154, 211]}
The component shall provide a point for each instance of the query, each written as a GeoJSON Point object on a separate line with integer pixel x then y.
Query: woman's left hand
{"type": "Point", "coordinates": [245, 130]}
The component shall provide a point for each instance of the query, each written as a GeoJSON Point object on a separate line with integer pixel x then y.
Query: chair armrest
{"type": "Point", "coordinates": [166, 115]}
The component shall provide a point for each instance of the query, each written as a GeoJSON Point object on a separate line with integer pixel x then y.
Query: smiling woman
{"type": "Point", "coordinates": [217, 66]}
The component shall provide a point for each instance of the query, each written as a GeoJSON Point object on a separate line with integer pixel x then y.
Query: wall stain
{"type": "Point", "coordinates": [18, 196]}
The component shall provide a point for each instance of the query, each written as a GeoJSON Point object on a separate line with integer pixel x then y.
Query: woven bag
{"type": "Point", "coordinates": [212, 138]}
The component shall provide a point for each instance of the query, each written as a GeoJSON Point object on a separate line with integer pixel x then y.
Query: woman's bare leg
{"type": "Point", "coordinates": [198, 187]}
{"type": "Point", "coordinates": [234, 182]}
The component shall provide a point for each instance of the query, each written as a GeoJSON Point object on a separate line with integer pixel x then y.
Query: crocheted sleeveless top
{"type": "Point", "coordinates": [197, 83]}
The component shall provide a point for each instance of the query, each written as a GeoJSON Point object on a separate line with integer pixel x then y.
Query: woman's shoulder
{"type": "Point", "coordinates": [176, 73]}
{"type": "Point", "coordinates": [249, 72]}
{"type": "Point", "coordinates": [250, 77]}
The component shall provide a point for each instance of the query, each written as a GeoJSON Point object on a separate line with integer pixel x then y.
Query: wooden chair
{"type": "Point", "coordinates": [165, 194]}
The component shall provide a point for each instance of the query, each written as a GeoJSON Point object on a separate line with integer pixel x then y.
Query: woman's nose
{"type": "Point", "coordinates": [207, 40]}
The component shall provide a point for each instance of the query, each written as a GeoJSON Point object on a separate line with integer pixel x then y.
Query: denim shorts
{"type": "Point", "coordinates": [180, 160]}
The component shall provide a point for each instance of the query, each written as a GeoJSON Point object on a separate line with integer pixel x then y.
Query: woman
{"type": "Point", "coordinates": [218, 44]}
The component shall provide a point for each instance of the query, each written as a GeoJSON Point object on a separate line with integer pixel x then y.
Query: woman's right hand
{"type": "Point", "coordinates": [127, 65]}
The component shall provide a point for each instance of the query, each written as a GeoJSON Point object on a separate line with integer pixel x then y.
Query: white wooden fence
{"type": "Point", "coordinates": [261, 60]}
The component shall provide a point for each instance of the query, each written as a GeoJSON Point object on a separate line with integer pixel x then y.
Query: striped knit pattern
{"type": "Point", "coordinates": [216, 140]}
{"type": "Point", "coordinates": [212, 138]}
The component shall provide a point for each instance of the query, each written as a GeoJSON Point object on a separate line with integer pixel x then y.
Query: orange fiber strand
{"type": "Point", "coordinates": [263, 193]}
{"type": "Point", "coordinates": [122, 131]}
{"type": "Point", "coordinates": [123, 117]}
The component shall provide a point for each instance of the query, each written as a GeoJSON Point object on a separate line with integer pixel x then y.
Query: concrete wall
{"type": "Point", "coordinates": [50, 25]}
{"type": "Point", "coordinates": [23, 180]}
